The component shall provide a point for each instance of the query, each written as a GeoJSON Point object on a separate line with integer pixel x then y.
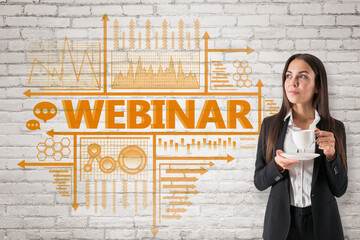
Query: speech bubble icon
{"type": "Point", "coordinates": [45, 111]}
{"type": "Point", "coordinates": [33, 124]}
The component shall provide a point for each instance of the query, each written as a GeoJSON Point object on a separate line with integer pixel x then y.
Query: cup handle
{"type": "Point", "coordinates": [315, 138]}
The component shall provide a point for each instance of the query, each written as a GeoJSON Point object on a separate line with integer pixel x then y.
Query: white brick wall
{"type": "Point", "coordinates": [228, 205]}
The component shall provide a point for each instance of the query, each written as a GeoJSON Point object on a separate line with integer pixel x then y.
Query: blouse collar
{"type": "Point", "coordinates": [291, 122]}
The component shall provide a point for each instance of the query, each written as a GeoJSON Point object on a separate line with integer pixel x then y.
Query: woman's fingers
{"type": "Point", "coordinates": [320, 133]}
{"type": "Point", "coordinates": [325, 139]}
{"type": "Point", "coordinates": [326, 142]}
{"type": "Point", "coordinates": [285, 163]}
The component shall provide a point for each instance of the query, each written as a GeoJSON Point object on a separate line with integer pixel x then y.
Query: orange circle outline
{"type": "Point", "coordinates": [142, 163]}
{"type": "Point", "coordinates": [96, 147]}
{"type": "Point", "coordinates": [101, 164]}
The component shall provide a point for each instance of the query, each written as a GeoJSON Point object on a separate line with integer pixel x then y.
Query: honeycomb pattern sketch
{"type": "Point", "coordinates": [243, 70]}
{"type": "Point", "coordinates": [49, 149]}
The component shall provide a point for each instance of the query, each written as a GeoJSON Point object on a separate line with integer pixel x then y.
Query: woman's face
{"type": "Point", "coordinates": [300, 82]}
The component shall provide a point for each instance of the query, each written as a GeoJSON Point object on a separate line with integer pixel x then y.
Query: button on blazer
{"type": "Point", "coordinates": [329, 179]}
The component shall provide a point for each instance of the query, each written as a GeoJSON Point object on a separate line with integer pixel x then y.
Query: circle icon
{"type": "Point", "coordinates": [94, 150]}
{"type": "Point", "coordinates": [107, 164]}
{"type": "Point", "coordinates": [132, 159]}
{"type": "Point", "coordinates": [87, 167]}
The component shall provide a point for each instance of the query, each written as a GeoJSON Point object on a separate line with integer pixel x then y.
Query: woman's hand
{"type": "Point", "coordinates": [326, 142]}
{"type": "Point", "coordinates": [284, 163]}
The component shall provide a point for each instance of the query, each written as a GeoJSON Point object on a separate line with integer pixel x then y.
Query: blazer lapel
{"type": "Point", "coordinates": [317, 161]}
{"type": "Point", "coordinates": [280, 141]}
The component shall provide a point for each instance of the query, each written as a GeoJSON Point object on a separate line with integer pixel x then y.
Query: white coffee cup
{"type": "Point", "coordinates": [303, 138]}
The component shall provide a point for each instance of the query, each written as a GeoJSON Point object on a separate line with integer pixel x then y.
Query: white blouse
{"type": "Point", "coordinates": [301, 173]}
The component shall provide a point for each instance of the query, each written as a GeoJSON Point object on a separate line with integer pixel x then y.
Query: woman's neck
{"type": "Point", "coordinates": [303, 116]}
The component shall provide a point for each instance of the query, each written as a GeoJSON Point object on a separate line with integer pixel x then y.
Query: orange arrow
{"type": "Point", "coordinates": [175, 210]}
{"type": "Point", "coordinates": [105, 19]}
{"type": "Point", "coordinates": [228, 158]}
{"type": "Point", "coordinates": [179, 179]}
{"type": "Point", "coordinates": [206, 37]}
{"type": "Point", "coordinates": [24, 164]}
{"type": "Point", "coordinates": [27, 93]}
{"type": "Point", "coordinates": [184, 192]}
{"type": "Point", "coordinates": [201, 171]}
{"type": "Point", "coordinates": [259, 84]}
{"type": "Point", "coordinates": [154, 230]}
{"type": "Point", "coordinates": [171, 216]}
{"type": "Point", "coordinates": [179, 186]}
{"type": "Point", "coordinates": [210, 164]}
{"type": "Point", "coordinates": [182, 197]}
{"type": "Point", "coordinates": [180, 203]}
{"type": "Point", "coordinates": [248, 50]}
{"type": "Point", "coordinates": [75, 205]}
{"type": "Point", "coordinates": [51, 133]}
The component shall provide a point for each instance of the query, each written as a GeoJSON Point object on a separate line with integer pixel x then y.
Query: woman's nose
{"type": "Point", "coordinates": [294, 81]}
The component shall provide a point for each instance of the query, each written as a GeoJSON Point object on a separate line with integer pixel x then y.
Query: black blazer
{"type": "Point", "coordinates": [329, 179]}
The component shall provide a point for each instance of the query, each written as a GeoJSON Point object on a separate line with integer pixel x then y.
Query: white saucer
{"type": "Point", "coordinates": [300, 156]}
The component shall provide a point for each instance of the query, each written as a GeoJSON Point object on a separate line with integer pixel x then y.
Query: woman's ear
{"type": "Point", "coordinates": [316, 90]}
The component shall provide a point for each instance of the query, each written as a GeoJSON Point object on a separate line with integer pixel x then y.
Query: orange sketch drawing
{"type": "Point", "coordinates": [79, 66]}
{"type": "Point", "coordinates": [172, 159]}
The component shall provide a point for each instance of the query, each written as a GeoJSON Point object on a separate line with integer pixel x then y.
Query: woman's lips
{"type": "Point", "coordinates": [293, 92]}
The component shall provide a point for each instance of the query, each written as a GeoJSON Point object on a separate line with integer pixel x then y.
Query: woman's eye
{"type": "Point", "coordinates": [303, 76]}
{"type": "Point", "coordinates": [288, 76]}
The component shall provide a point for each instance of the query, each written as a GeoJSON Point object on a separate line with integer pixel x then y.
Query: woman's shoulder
{"type": "Point", "coordinates": [333, 124]}
{"type": "Point", "coordinates": [338, 124]}
{"type": "Point", "coordinates": [268, 120]}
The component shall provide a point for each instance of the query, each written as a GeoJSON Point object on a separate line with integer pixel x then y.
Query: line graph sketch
{"type": "Point", "coordinates": [65, 65]}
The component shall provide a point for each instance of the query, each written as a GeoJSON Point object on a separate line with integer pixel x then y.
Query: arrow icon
{"type": "Point", "coordinates": [171, 216]}
{"type": "Point", "coordinates": [179, 186]}
{"type": "Point", "coordinates": [27, 93]}
{"type": "Point", "coordinates": [248, 50]}
{"type": "Point", "coordinates": [24, 164]}
{"type": "Point", "coordinates": [105, 19]}
{"type": "Point", "coordinates": [175, 210]}
{"type": "Point", "coordinates": [179, 179]}
{"type": "Point", "coordinates": [75, 205]}
{"type": "Point", "coordinates": [182, 197]}
{"type": "Point", "coordinates": [206, 37]}
{"type": "Point", "coordinates": [184, 192]}
{"type": "Point", "coordinates": [228, 158]}
{"type": "Point", "coordinates": [200, 170]}
{"type": "Point", "coordinates": [259, 84]}
{"type": "Point", "coordinates": [180, 203]}
{"type": "Point", "coordinates": [210, 164]}
{"type": "Point", "coordinates": [51, 133]}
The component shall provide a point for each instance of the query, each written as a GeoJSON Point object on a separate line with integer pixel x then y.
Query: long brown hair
{"type": "Point", "coordinates": [320, 103]}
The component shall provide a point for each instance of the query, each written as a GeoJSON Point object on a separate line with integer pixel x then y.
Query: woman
{"type": "Point", "coordinates": [301, 203]}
